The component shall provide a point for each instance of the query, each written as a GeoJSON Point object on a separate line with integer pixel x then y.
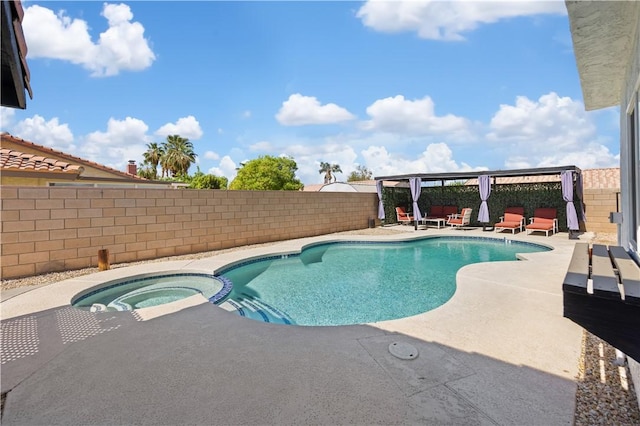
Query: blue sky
{"type": "Point", "coordinates": [397, 87]}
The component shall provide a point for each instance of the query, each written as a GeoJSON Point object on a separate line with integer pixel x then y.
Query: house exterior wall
{"type": "Point", "coordinates": [48, 229]}
{"type": "Point", "coordinates": [630, 191]}
{"type": "Point", "coordinates": [630, 165]}
{"type": "Point", "coordinates": [28, 181]}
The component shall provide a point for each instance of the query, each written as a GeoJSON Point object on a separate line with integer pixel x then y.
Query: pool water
{"type": "Point", "coordinates": [356, 283]}
{"type": "Point", "coordinates": [145, 291]}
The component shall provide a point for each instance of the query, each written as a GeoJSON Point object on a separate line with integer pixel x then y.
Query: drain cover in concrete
{"type": "Point", "coordinates": [403, 350]}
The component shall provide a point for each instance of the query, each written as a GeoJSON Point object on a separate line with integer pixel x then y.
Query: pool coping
{"type": "Point", "coordinates": [66, 290]}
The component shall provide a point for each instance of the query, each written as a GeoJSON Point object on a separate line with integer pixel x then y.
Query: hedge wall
{"type": "Point", "coordinates": [529, 196]}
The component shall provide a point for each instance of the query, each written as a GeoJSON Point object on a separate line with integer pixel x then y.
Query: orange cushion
{"type": "Point", "coordinates": [506, 224]}
{"type": "Point", "coordinates": [510, 217]}
{"type": "Point", "coordinates": [540, 225]}
{"type": "Point", "coordinates": [542, 221]}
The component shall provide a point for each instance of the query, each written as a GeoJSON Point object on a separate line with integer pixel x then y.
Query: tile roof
{"type": "Point", "coordinates": [602, 178]}
{"type": "Point", "coordinates": [71, 158]}
{"type": "Point", "coordinates": [592, 179]}
{"type": "Point", "coordinates": [512, 180]}
{"type": "Point", "coordinates": [11, 160]}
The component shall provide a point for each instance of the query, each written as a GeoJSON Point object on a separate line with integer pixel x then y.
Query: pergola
{"type": "Point", "coordinates": [568, 175]}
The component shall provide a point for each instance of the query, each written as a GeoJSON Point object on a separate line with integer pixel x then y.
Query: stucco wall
{"type": "Point", "coordinates": [630, 237]}
{"type": "Point", "coordinates": [54, 229]}
{"type": "Point", "coordinates": [28, 181]}
{"type": "Point", "coordinates": [629, 199]}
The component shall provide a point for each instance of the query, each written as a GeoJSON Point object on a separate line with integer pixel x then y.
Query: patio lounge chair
{"type": "Point", "coordinates": [460, 220]}
{"type": "Point", "coordinates": [544, 220]}
{"type": "Point", "coordinates": [402, 216]}
{"type": "Point", "coordinates": [513, 219]}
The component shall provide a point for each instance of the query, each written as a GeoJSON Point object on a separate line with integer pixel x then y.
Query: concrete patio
{"type": "Point", "coordinates": [498, 352]}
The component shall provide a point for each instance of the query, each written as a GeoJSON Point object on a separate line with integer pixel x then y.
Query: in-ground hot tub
{"type": "Point", "coordinates": [142, 291]}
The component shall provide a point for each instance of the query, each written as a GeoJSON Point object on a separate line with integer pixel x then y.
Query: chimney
{"type": "Point", "coordinates": [132, 169]}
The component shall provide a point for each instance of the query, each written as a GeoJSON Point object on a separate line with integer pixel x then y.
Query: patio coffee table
{"type": "Point", "coordinates": [438, 221]}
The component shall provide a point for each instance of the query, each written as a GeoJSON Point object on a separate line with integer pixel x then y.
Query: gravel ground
{"type": "Point", "coordinates": [605, 395]}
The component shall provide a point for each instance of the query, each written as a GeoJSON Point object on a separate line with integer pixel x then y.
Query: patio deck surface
{"type": "Point", "coordinates": [498, 352]}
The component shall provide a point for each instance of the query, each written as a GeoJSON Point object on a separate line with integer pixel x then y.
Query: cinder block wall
{"type": "Point", "coordinates": [598, 204]}
{"type": "Point", "coordinates": [56, 229]}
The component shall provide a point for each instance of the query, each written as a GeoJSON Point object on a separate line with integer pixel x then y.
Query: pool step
{"type": "Point", "coordinates": [250, 307]}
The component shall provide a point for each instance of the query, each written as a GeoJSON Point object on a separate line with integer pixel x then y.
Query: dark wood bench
{"type": "Point", "coordinates": [601, 292]}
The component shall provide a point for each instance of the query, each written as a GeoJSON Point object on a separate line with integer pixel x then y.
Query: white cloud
{"type": "Point", "coordinates": [591, 156]}
{"type": "Point", "coordinates": [124, 140]}
{"type": "Point", "coordinates": [447, 20]}
{"type": "Point", "coordinates": [226, 167]}
{"type": "Point", "coordinates": [48, 133]}
{"type": "Point", "coordinates": [6, 118]}
{"type": "Point", "coordinates": [401, 116]}
{"type": "Point", "coordinates": [301, 110]}
{"type": "Point", "coordinates": [210, 155]}
{"type": "Point", "coordinates": [549, 116]}
{"type": "Point", "coordinates": [308, 158]}
{"type": "Point", "coordinates": [186, 127]}
{"type": "Point", "coordinates": [436, 158]}
{"type": "Point", "coordinates": [551, 131]}
{"type": "Point", "coordinates": [122, 47]}
{"type": "Point", "coordinates": [246, 114]}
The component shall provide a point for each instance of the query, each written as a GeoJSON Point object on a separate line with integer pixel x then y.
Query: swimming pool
{"type": "Point", "coordinates": [359, 282]}
{"type": "Point", "coordinates": [151, 290]}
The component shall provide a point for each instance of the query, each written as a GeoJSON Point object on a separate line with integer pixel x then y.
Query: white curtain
{"type": "Point", "coordinates": [566, 178]}
{"type": "Point", "coordinates": [380, 205]}
{"type": "Point", "coordinates": [484, 185]}
{"type": "Point", "coordinates": [414, 184]}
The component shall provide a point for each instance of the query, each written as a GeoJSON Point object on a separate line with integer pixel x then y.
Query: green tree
{"type": "Point", "coordinates": [147, 171]}
{"type": "Point", "coordinates": [178, 156]}
{"type": "Point", "coordinates": [201, 180]}
{"type": "Point", "coordinates": [152, 157]}
{"type": "Point", "coordinates": [328, 169]}
{"type": "Point", "coordinates": [268, 173]}
{"type": "Point", "coordinates": [360, 173]}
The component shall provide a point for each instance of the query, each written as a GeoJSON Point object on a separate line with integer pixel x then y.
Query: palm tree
{"type": "Point", "coordinates": [152, 158]}
{"type": "Point", "coordinates": [327, 169]}
{"type": "Point", "coordinates": [147, 171]}
{"type": "Point", "coordinates": [178, 155]}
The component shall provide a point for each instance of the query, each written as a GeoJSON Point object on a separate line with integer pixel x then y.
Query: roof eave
{"type": "Point", "coordinates": [603, 35]}
{"type": "Point", "coordinates": [15, 71]}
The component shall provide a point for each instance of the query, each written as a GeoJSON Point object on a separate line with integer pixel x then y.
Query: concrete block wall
{"type": "Point", "coordinates": [598, 204]}
{"type": "Point", "coordinates": [56, 228]}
